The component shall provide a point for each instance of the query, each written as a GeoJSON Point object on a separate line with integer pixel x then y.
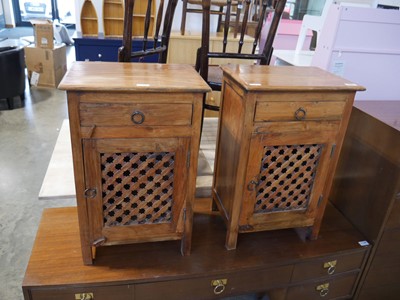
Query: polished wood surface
{"type": "Point", "coordinates": [264, 261]}
{"type": "Point", "coordinates": [271, 78]}
{"type": "Point", "coordinates": [280, 134]}
{"type": "Point", "coordinates": [108, 76]}
{"type": "Point", "coordinates": [366, 189]}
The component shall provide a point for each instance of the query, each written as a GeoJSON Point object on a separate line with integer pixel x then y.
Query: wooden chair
{"type": "Point", "coordinates": [156, 45]}
{"type": "Point", "coordinates": [197, 8]}
{"type": "Point", "coordinates": [213, 74]}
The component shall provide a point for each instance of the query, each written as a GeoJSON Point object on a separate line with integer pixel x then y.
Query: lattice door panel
{"type": "Point", "coordinates": [286, 177]}
{"type": "Point", "coordinates": [137, 187]}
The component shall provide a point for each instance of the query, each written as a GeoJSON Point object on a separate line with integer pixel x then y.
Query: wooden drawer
{"type": "Point", "coordinates": [273, 111]}
{"type": "Point", "coordinates": [71, 293]}
{"type": "Point", "coordinates": [328, 266]}
{"type": "Point", "coordinates": [330, 289]}
{"type": "Point", "coordinates": [202, 288]}
{"type": "Point", "coordinates": [127, 114]}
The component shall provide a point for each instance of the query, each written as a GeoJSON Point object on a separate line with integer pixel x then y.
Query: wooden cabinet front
{"type": "Point", "coordinates": [135, 138]}
{"type": "Point", "coordinates": [132, 182]}
{"type": "Point", "coordinates": [279, 136]}
{"type": "Point", "coordinates": [284, 179]}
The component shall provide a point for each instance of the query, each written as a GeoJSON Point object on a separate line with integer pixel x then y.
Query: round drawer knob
{"type": "Point", "coordinates": [300, 114]}
{"type": "Point", "coordinates": [99, 55]}
{"type": "Point", "coordinates": [137, 117]}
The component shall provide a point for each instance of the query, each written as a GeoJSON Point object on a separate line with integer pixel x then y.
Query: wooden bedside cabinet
{"type": "Point", "coordinates": [135, 131]}
{"type": "Point", "coordinates": [280, 133]}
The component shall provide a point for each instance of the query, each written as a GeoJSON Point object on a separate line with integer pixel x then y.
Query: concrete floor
{"type": "Point", "coordinates": [27, 138]}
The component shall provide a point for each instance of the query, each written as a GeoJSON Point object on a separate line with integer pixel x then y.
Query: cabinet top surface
{"type": "Point", "coordinates": [288, 78]}
{"type": "Point", "coordinates": [138, 77]}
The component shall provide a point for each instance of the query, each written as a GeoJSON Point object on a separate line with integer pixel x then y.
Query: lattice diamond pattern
{"type": "Point", "coordinates": [137, 187]}
{"type": "Point", "coordinates": [286, 177]}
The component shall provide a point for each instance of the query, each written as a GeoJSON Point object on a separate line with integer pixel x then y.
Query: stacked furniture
{"type": "Point", "coordinates": [353, 252]}
{"type": "Point", "coordinates": [276, 263]}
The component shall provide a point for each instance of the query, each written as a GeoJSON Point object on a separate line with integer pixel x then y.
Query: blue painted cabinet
{"type": "Point", "coordinates": [97, 49]}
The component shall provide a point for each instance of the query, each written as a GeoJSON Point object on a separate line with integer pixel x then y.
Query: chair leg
{"type": "Point", "coordinates": [10, 102]}
{"type": "Point", "coordinates": [183, 22]}
{"type": "Point", "coordinates": [221, 12]}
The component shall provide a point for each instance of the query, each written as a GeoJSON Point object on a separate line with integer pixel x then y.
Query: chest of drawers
{"type": "Point", "coordinates": [366, 189]}
{"type": "Point", "coordinates": [280, 133]}
{"type": "Point", "coordinates": [273, 263]}
{"type": "Point", "coordinates": [135, 138]}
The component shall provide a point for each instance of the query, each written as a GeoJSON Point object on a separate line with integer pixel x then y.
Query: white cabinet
{"type": "Point", "coordinates": [363, 46]}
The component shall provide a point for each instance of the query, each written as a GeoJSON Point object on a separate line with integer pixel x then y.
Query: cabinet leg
{"type": "Point", "coordinates": [231, 239]}
{"type": "Point", "coordinates": [88, 255]}
{"type": "Point", "coordinates": [186, 243]}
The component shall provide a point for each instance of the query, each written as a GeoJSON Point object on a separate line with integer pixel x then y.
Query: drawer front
{"type": "Point", "coordinates": [127, 114]}
{"type": "Point", "coordinates": [209, 287]}
{"type": "Point", "coordinates": [331, 289]}
{"type": "Point", "coordinates": [96, 293]}
{"type": "Point", "coordinates": [299, 111]}
{"type": "Point", "coordinates": [328, 266]}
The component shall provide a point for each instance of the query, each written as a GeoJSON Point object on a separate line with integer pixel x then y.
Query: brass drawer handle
{"type": "Point", "coordinates": [331, 266]}
{"type": "Point", "coordinates": [137, 117]}
{"type": "Point", "coordinates": [84, 296]}
{"type": "Point", "coordinates": [300, 114]}
{"type": "Point", "coordinates": [323, 289]}
{"type": "Point", "coordinates": [219, 285]}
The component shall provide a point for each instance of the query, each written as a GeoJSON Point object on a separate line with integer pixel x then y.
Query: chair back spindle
{"type": "Point", "coordinates": [158, 22]}
{"type": "Point", "coordinates": [160, 41]}
{"type": "Point", "coordinates": [241, 25]}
